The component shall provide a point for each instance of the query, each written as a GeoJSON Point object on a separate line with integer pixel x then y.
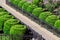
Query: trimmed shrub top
{"type": "Point", "coordinates": [4, 37]}
{"type": "Point", "coordinates": [1, 10]}
{"type": "Point", "coordinates": [6, 17]}
{"type": "Point", "coordinates": [51, 19]}
{"type": "Point", "coordinates": [56, 4]}
{"type": "Point", "coordinates": [15, 2]}
{"type": "Point", "coordinates": [3, 19]}
{"type": "Point", "coordinates": [57, 24]}
{"type": "Point", "coordinates": [3, 13]}
{"type": "Point", "coordinates": [49, 7]}
{"type": "Point", "coordinates": [8, 24]}
{"type": "Point", "coordinates": [20, 4]}
{"type": "Point", "coordinates": [44, 15]}
{"type": "Point", "coordinates": [31, 7]}
{"type": "Point", "coordinates": [58, 12]}
{"type": "Point", "coordinates": [37, 11]}
{"type": "Point", "coordinates": [12, 1]}
{"type": "Point", "coordinates": [18, 29]}
{"type": "Point", "coordinates": [35, 1]}
{"type": "Point", "coordinates": [25, 5]}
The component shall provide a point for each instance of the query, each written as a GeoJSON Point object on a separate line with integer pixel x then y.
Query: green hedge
{"type": "Point", "coordinates": [31, 7]}
{"type": "Point", "coordinates": [20, 4]}
{"type": "Point", "coordinates": [3, 13]}
{"type": "Point", "coordinates": [25, 5]}
{"type": "Point", "coordinates": [3, 19]}
{"type": "Point", "coordinates": [1, 10]}
{"type": "Point", "coordinates": [51, 19]}
{"type": "Point", "coordinates": [15, 2]}
{"type": "Point", "coordinates": [8, 24]}
{"type": "Point", "coordinates": [57, 24]}
{"type": "Point", "coordinates": [50, 7]}
{"type": "Point", "coordinates": [35, 1]}
{"type": "Point", "coordinates": [44, 15]}
{"type": "Point", "coordinates": [4, 37]}
{"type": "Point", "coordinates": [18, 31]}
{"type": "Point", "coordinates": [37, 11]}
{"type": "Point", "coordinates": [11, 1]}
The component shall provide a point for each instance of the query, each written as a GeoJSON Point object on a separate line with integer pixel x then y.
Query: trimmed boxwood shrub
{"type": "Point", "coordinates": [35, 2]}
{"type": "Point", "coordinates": [51, 19]}
{"type": "Point", "coordinates": [1, 10]}
{"type": "Point", "coordinates": [18, 31]}
{"type": "Point", "coordinates": [8, 24]}
{"type": "Point", "coordinates": [15, 2]}
{"type": "Point", "coordinates": [3, 13]}
{"type": "Point", "coordinates": [49, 7]}
{"type": "Point", "coordinates": [11, 1]}
{"type": "Point", "coordinates": [57, 24]}
{"type": "Point", "coordinates": [44, 15]}
{"type": "Point", "coordinates": [58, 11]}
{"type": "Point", "coordinates": [31, 7]}
{"type": "Point", "coordinates": [3, 19]}
{"type": "Point", "coordinates": [4, 37]}
{"type": "Point", "coordinates": [37, 11]}
{"type": "Point", "coordinates": [56, 4]}
{"type": "Point", "coordinates": [20, 4]}
{"type": "Point", "coordinates": [25, 5]}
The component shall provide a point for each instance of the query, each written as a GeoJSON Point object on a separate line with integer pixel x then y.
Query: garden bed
{"type": "Point", "coordinates": [34, 18]}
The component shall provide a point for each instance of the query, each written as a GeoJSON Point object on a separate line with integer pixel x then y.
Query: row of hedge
{"type": "Point", "coordinates": [38, 12]}
{"type": "Point", "coordinates": [50, 5]}
{"type": "Point", "coordinates": [11, 26]}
